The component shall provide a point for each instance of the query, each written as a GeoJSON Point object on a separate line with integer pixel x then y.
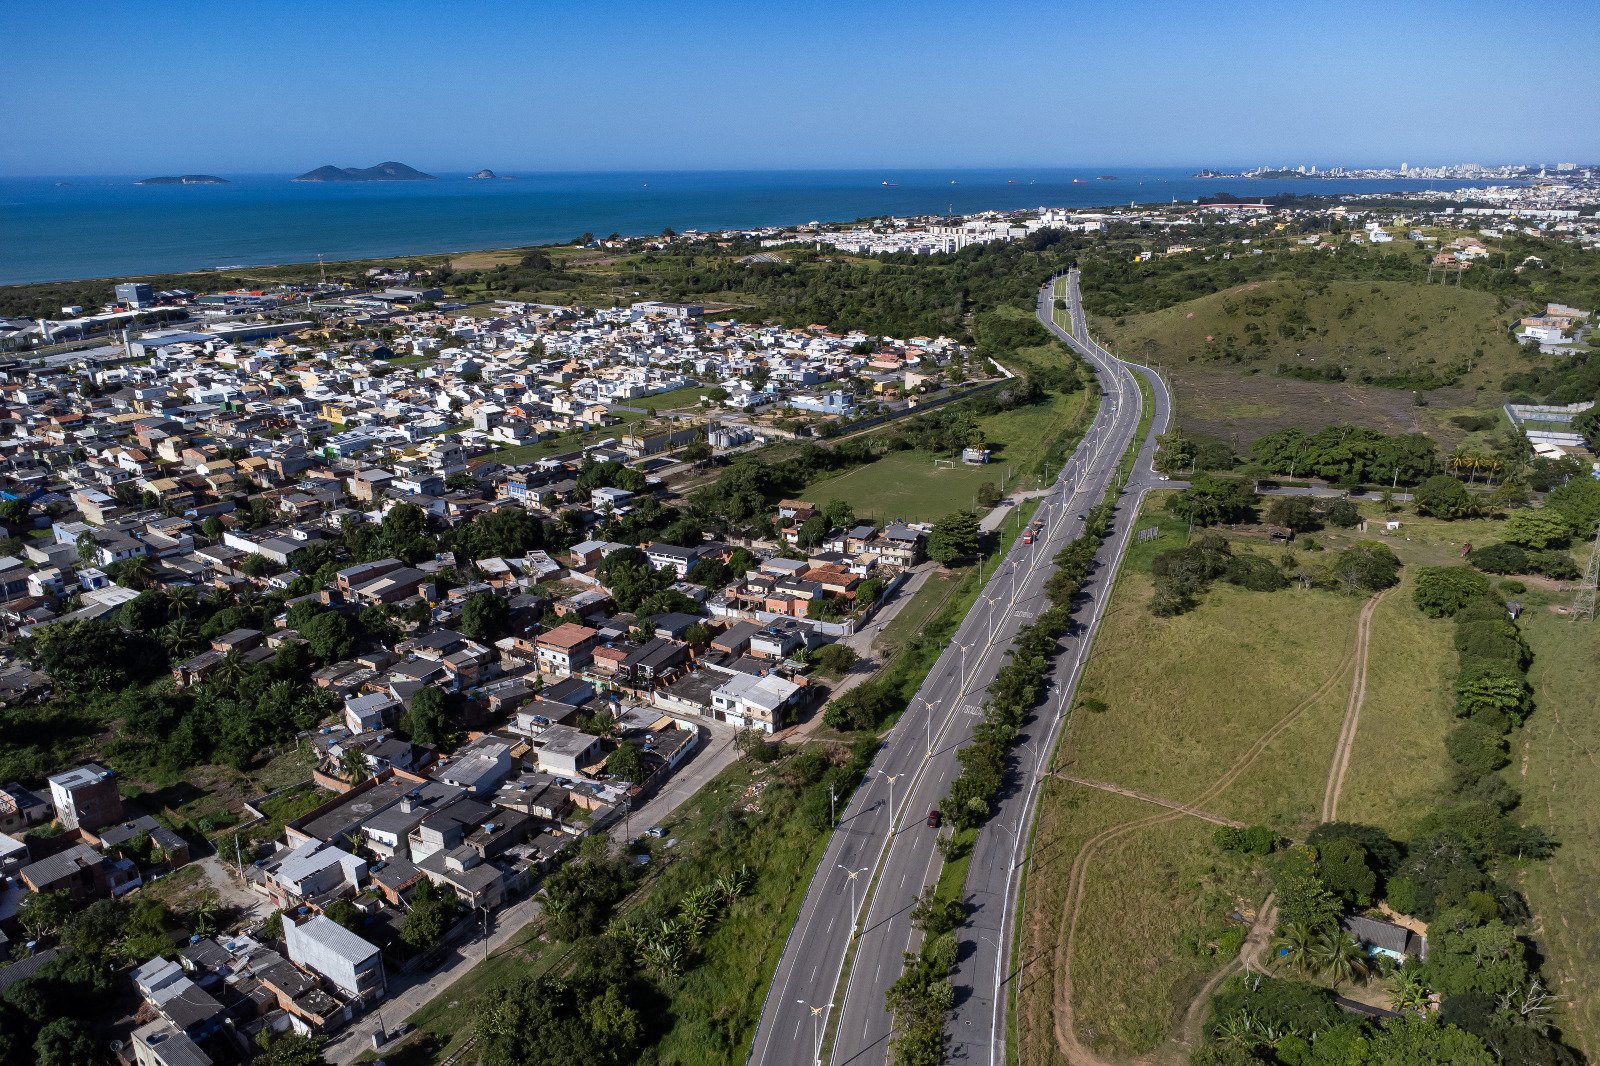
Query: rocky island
{"type": "Point", "coordinates": [185, 179]}
{"type": "Point", "coordinates": [389, 171]}
{"type": "Point", "coordinates": [488, 175]}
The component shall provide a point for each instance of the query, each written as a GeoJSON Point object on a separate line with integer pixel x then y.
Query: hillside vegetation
{"type": "Point", "coordinates": [1391, 333]}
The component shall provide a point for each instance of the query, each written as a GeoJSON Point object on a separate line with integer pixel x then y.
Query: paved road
{"type": "Point", "coordinates": [978, 1025]}
{"type": "Point", "coordinates": [882, 837]}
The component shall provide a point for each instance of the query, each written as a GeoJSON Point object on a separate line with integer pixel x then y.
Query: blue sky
{"type": "Point", "coordinates": [171, 86]}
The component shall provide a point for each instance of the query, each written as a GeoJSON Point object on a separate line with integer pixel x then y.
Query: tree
{"type": "Point", "coordinates": [353, 766]}
{"type": "Point", "coordinates": [1444, 590]}
{"type": "Point", "coordinates": [329, 636]}
{"type": "Point", "coordinates": [1343, 866]}
{"type": "Point", "coordinates": [836, 659]}
{"type": "Point", "coordinates": [1537, 529]}
{"type": "Point", "coordinates": [1336, 954]}
{"type": "Point", "coordinates": [1292, 946]}
{"type": "Point", "coordinates": [1500, 559]}
{"type": "Point", "coordinates": [753, 745]}
{"type": "Point", "coordinates": [1213, 500]}
{"type": "Point", "coordinates": [1578, 501]}
{"type": "Point", "coordinates": [1414, 1041]}
{"type": "Point", "coordinates": [626, 762]}
{"type": "Point", "coordinates": [287, 1049]}
{"type": "Point", "coordinates": [1341, 513]}
{"type": "Point", "coordinates": [486, 617]}
{"type": "Point", "coordinates": [428, 717]}
{"type": "Point", "coordinates": [1368, 566]}
{"type": "Point", "coordinates": [1293, 512]}
{"type": "Point", "coordinates": [988, 495]}
{"type": "Point", "coordinates": [65, 1042]}
{"type": "Point", "coordinates": [955, 536]}
{"type": "Point", "coordinates": [869, 591]}
{"type": "Point", "coordinates": [43, 914]}
{"type": "Point", "coordinates": [812, 531]}
{"type": "Point", "coordinates": [429, 911]}
{"type": "Point", "coordinates": [1442, 496]}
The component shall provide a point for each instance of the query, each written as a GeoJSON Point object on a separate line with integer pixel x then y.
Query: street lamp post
{"type": "Point", "coordinates": [816, 1025]}
{"type": "Point", "coordinates": [850, 876]}
{"type": "Point", "coordinates": [891, 778]}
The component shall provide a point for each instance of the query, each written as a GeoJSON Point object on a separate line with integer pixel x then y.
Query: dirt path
{"type": "Point", "coordinates": [1352, 714]}
{"type": "Point", "coordinates": [1250, 958]}
{"type": "Point", "coordinates": [1147, 798]}
{"type": "Point", "coordinates": [1066, 942]}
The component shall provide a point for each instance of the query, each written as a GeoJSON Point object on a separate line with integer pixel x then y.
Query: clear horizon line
{"type": "Point", "coordinates": [852, 168]}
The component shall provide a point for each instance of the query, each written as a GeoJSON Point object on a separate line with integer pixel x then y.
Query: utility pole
{"type": "Point", "coordinates": [1584, 606]}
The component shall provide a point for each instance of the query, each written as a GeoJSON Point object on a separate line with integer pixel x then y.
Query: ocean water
{"type": "Point", "coordinates": [90, 227]}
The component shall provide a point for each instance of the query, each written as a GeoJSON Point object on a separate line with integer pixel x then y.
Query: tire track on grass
{"type": "Point", "coordinates": [1352, 714]}
{"type": "Point", "coordinates": [1066, 943]}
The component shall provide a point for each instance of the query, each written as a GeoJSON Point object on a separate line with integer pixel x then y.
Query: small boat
{"type": "Point", "coordinates": [890, 184]}
{"type": "Point", "coordinates": [1079, 181]}
{"type": "Point", "coordinates": [1011, 181]}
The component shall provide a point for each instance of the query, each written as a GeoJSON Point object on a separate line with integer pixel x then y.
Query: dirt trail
{"type": "Point", "coordinates": [1103, 786]}
{"type": "Point", "coordinates": [1066, 942]}
{"type": "Point", "coordinates": [1352, 715]}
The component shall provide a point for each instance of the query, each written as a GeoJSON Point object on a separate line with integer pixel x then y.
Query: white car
{"type": "Point", "coordinates": [1162, 477]}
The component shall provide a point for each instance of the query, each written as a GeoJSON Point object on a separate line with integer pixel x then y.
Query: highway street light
{"type": "Point", "coordinates": [891, 778]}
{"type": "Point", "coordinates": [850, 876]}
{"type": "Point", "coordinates": [816, 1025]}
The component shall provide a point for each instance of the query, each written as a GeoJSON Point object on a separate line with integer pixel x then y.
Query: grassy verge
{"type": "Point", "coordinates": [1152, 915]}
{"type": "Point", "coordinates": [907, 485]}
{"type": "Point", "coordinates": [1398, 765]}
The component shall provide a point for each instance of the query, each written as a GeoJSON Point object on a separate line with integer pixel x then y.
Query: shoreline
{"type": "Point", "coordinates": [54, 236]}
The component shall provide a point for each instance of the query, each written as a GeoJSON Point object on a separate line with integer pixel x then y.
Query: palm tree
{"type": "Point", "coordinates": [1292, 946]}
{"type": "Point", "coordinates": [182, 598]}
{"type": "Point", "coordinates": [136, 572]}
{"type": "Point", "coordinates": [180, 637]}
{"type": "Point", "coordinates": [1409, 991]}
{"type": "Point", "coordinates": [229, 672]}
{"type": "Point", "coordinates": [1339, 956]}
{"type": "Point", "coordinates": [353, 766]}
{"type": "Point", "coordinates": [205, 916]}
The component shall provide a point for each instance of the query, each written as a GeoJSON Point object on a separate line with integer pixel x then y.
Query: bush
{"type": "Point", "coordinates": [1500, 559]}
{"type": "Point", "coordinates": [1442, 496]}
{"type": "Point", "coordinates": [1477, 748]}
{"type": "Point", "coordinates": [1444, 590]}
{"type": "Point", "coordinates": [1254, 840]}
{"type": "Point", "coordinates": [1366, 567]}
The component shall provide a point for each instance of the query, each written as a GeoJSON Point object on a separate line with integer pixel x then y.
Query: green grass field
{"type": "Point", "coordinates": [1376, 329]}
{"type": "Point", "coordinates": [1398, 765]}
{"type": "Point", "coordinates": [1557, 767]}
{"type": "Point", "coordinates": [1185, 699]}
{"type": "Point", "coordinates": [1228, 386]}
{"type": "Point", "coordinates": [907, 485]}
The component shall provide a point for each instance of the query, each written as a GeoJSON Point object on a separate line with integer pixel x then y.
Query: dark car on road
{"type": "Point", "coordinates": [935, 818]}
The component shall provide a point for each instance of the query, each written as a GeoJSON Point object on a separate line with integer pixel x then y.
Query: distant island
{"type": "Point", "coordinates": [390, 171]}
{"type": "Point", "coordinates": [488, 175]}
{"type": "Point", "coordinates": [185, 179]}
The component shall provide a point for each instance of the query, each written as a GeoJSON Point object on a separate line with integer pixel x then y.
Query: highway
{"type": "Point", "coordinates": [983, 980]}
{"type": "Point", "coordinates": [883, 854]}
